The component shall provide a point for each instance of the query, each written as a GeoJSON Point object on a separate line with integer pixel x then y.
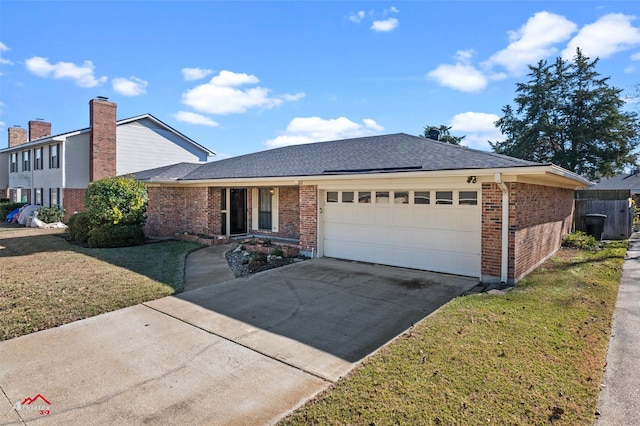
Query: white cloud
{"type": "Point", "coordinates": [392, 9]}
{"type": "Point", "coordinates": [4, 48]}
{"type": "Point", "coordinates": [534, 41]}
{"type": "Point", "coordinates": [315, 129]}
{"type": "Point", "coordinates": [387, 25]}
{"type": "Point", "coordinates": [477, 127]}
{"type": "Point", "coordinates": [82, 75]}
{"type": "Point", "coordinates": [357, 17]}
{"type": "Point", "coordinates": [461, 76]}
{"type": "Point", "coordinates": [224, 95]}
{"type": "Point", "coordinates": [635, 57]}
{"type": "Point", "coordinates": [608, 35]}
{"type": "Point", "coordinates": [132, 86]}
{"type": "Point", "coordinates": [191, 74]}
{"type": "Point", "coordinates": [193, 118]}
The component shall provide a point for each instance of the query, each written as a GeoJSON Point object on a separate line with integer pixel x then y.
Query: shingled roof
{"type": "Point", "coordinates": [374, 154]}
{"type": "Point", "coordinates": [623, 181]}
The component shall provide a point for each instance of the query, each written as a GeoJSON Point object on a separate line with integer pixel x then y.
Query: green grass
{"type": "Point", "coordinates": [532, 356]}
{"type": "Point", "coordinates": [47, 282]}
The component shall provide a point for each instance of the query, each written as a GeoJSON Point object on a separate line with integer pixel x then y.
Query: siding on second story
{"type": "Point", "coordinates": [143, 144]}
{"type": "Point", "coordinates": [76, 161]}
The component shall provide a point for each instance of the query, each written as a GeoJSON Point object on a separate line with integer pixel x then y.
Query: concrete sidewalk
{"type": "Point", "coordinates": [620, 394]}
{"type": "Point", "coordinates": [207, 266]}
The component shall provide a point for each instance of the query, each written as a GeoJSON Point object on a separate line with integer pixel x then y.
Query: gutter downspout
{"type": "Point", "coordinates": [504, 261]}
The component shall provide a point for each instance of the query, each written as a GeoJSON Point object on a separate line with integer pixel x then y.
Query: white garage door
{"type": "Point", "coordinates": [432, 230]}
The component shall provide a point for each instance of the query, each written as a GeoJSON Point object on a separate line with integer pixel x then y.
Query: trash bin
{"type": "Point", "coordinates": [595, 224]}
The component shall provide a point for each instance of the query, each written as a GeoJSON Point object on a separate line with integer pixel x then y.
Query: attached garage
{"type": "Point", "coordinates": [431, 229]}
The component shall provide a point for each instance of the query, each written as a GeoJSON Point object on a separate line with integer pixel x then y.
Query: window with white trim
{"type": "Point", "coordinates": [14, 162]}
{"type": "Point", "coordinates": [37, 196]}
{"type": "Point", "coordinates": [54, 156]}
{"type": "Point", "coordinates": [54, 197]}
{"type": "Point", "coordinates": [37, 159]}
{"type": "Point", "coordinates": [265, 204]}
{"type": "Point", "coordinates": [26, 161]}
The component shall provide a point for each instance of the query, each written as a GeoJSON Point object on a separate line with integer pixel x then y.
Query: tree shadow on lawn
{"type": "Point", "coordinates": [163, 261]}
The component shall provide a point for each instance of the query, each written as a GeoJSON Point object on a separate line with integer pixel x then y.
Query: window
{"type": "Point", "coordinates": [421, 197]}
{"type": "Point", "coordinates": [382, 197]}
{"type": "Point", "coordinates": [54, 156]}
{"type": "Point", "coordinates": [14, 162]}
{"type": "Point", "coordinates": [54, 197]}
{"type": "Point", "coordinates": [444, 197]}
{"type": "Point", "coordinates": [468, 198]}
{"type": "Point", "coordinates": [37, 159]}
{"type": "Point", "coordinates": [264, 208]}
{"type": "Point", "coordinates": [401, 197]}
{"type": "Point", "coordinates": [332, 197]}
{"type": "Point", "coordinates": [37, 196]}
{"type": "Point", "coordinates": [364, 197]}
{"type": "Point", "coordinates": [26, 163]}
{"type": "Point", "coordinates": [347, 197]}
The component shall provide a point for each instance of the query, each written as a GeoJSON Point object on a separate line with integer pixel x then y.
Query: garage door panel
{"type": "Point", "coordinates": [441, 238]}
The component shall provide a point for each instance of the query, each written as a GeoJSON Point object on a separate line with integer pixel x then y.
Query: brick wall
{"type": "Point", "coordinates": [308, 196]}
{"type": "Point", "coordinates": [39, 129]}
{"type": "Point", "coordinates": [176, 210]}
{"type": "Point", "coordinates": [491, 239]}
{"type": "Point", "coordinates": [215, 205]}
{"type": "Point", "coordinates": [102, 144]}
{"type": "Point", "coordinates": [538, 218]}
{"type": "Point", "coordinates": [289, 212]}
{"type": "Point", "coordinates": [72, 201]}
{"type": "Point", "coordinates": [542, 216]}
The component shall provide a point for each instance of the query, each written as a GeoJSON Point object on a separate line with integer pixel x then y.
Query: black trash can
{"type": "Point", "coordinates": [595, 224]}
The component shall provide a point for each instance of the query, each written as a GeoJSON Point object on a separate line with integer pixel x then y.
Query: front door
{"type": "Point", "coordinates": [238, 199]}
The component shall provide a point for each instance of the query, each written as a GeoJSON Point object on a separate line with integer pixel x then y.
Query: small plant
{"type": "Point", "coordinates": [277, 252]}
{"type": "Point", "coordinates": [257, 261]}
{"type": "Point", "coordinates": [52, 214]}
{"type": "Point", "coordinates": [266, 242]}
{"type": "Point", "coordinates": [581, 240]}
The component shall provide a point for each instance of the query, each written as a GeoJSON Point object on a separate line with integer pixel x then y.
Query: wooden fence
{"type": "Point", "coordinates": [613, 203]}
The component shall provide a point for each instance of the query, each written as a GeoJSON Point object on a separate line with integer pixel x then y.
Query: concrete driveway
{"type": "Point", "coordinates": [245, 351]}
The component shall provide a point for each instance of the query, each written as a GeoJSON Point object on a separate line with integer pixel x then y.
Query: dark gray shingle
{"type": "Point", "coordinates": [374, 154]}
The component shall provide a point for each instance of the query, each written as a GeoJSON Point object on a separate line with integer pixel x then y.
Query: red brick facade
{"type": "Point", "coordinates": [73, 201]}
{"type": "Point", "coordinates": [174, 210]}
{"type": "Point", "coordinates": [308, 217]}
{"type": "Point", "coordinates": [102, 144]}
{"type": "Point", "coordinates": [289, 212]}
{"type": "Point", "coordinates": [538, 218]}
{"type": "Point", "coordinates": [39, 129]}
{"type": "Point", "coordinates": [542, 216]}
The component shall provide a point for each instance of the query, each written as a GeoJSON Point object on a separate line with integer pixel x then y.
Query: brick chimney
{"type": "Point", "coordinates": [17, 136]}
{"type": "Point", "coordinates": [102, 142]}
{"type": "Point", "coordinates": [39, 129]}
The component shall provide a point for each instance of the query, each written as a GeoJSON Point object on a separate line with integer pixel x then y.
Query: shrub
{"type": "Point", "coordinates": [581, 241]}
{"type": "Point", "coordinates": [257, 261]}
{"type": "Point", "coordinates": [277, 252]}
{"type": "Point", "coordinates": [111, 235]}
{"type": "Point", "coordinates": [6, 208]}
{"type": "Point", "coordinates": [4, 200]}
{"type": "Point", "coordinates": [50, 214]}
{"type": "Point", "coordinates": [79, 227]}
{"type": "Point", "coordinates": [117, 200]}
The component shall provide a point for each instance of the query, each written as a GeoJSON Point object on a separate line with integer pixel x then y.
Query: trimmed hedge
{"type": "Point", "coordinates": [79, 227]}
{"type": "Point", "coordinates": [109, 236]}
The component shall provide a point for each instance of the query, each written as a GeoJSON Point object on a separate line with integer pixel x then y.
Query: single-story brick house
{"type": "Point", "coordinates": [394, 199]}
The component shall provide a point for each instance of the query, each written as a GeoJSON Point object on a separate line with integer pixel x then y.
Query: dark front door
{"type": "Point", "coordinates": [238, 199]}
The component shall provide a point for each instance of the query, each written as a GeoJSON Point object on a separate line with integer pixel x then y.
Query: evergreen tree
{"type": "Point", "coordinates": [568, 115]}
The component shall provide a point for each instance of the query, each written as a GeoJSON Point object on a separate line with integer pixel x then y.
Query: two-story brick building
{"type": "Point", "coordinates": [44, 169]}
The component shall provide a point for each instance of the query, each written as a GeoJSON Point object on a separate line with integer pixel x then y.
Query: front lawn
{"type": "Point", "coordinates": [532, 356]}
{"type": "Point", "coordinates": [47, 282]}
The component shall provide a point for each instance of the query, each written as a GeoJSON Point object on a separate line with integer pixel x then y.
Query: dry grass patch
{"type": "Point", "coordinates": [532, 356]}
{"type": "Point", "coordinates": [47, 282]}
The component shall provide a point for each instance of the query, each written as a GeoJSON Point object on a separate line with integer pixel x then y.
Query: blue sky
{"type": "Point", "coordinates": [239, 77]}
